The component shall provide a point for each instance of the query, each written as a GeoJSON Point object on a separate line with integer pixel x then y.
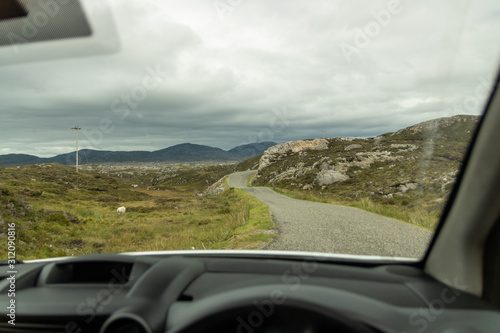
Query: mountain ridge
{"type": "Point", "coordinates": [184, 152]}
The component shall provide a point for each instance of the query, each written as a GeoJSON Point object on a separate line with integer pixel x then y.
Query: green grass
{"type": "Point", "coordinates": [415, 214]}
{"type": "Point", "coordinates": [252, 234]}
{"type": "Point", "coordinates": [248, 164]}
{"type": "Point", "coordinates": [226, 184]}
{"type": "Point", "coordinates": [61, 213]}
{"type": "Point", "coordinates": [250, 179]}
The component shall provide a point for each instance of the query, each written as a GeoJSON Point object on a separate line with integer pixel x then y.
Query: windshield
{"type": "Point", "coordinates": [326, 126]}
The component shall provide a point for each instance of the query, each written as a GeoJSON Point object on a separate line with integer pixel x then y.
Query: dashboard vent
{"type": "Point", "coordinates": [94, 272]}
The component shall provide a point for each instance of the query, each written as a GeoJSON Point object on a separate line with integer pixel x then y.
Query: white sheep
{"type": "Point", "coordinates": [121, 210]}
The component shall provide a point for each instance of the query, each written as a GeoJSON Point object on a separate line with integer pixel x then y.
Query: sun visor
{"type": "Point", "coordinates": [35, 30]}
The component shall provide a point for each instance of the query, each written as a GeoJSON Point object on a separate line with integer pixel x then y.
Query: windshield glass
{"type": "Point", "coordinates": [325, 126]}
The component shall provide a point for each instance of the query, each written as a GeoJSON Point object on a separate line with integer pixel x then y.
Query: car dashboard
{"type": "Point", "coordinates": [253, 293]}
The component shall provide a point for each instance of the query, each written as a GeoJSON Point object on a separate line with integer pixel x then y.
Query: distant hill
{"type": "Point", "coordinates": [188, 152]}
{"type": "Point", "coordinates": [18, 159]}
{"type": "Point", "coordinates": [185, 152]}
{"type": "Point", "coordinates": [251, 149]}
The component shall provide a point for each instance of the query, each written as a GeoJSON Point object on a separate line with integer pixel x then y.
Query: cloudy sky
{"type": "Point", "coordinates": [229, 72]}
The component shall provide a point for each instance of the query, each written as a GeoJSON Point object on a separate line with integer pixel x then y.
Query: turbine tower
{"type": "Point", "coordinates": [76, 128]}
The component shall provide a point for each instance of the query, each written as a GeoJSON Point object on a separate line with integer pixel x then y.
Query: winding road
{"type": "Point", "coordinates": [318, 227]}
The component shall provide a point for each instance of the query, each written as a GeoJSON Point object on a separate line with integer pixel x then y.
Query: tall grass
{"type": "Point", "coordinates": [65, 223]}
{"type": "Point", "coordinates": [415, 214]}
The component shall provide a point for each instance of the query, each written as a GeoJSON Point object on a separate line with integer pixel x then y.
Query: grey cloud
{"type": "Point", "coordinates": [223, 80]}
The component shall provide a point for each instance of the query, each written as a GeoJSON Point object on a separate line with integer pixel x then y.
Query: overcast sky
{"type": "Point", "coordinates": [224, 73]}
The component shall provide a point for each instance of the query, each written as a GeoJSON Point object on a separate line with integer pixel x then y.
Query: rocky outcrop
{"type": "Point", "coordinates": [326, 173]}
{"type": "Point", "coordinates": [404, 147]}
{"type": "Point", "coordinates": [354, 146]}
{"type": "Point", "coordinates": [424, 157]}
{"type": "Point", "coordinates": [364, 160]}
{"type": "Point", "coordinates": [216, 188]}
{"type": "Point", "coordinates": [327, 177]}
{"type": "Point", "coordinates": [277, 152]}
{"type": "Point", "coordinates": [403, 188]}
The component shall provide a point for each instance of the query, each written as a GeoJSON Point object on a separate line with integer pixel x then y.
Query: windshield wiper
{"type": "Point", "coordinates": [9, 262]}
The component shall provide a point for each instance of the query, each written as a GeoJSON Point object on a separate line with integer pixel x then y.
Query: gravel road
{"type": "Point", "coordinates": [319, 227]}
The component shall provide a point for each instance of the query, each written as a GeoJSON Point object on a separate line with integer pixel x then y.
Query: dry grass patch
{"type": "Point", "coordinates": [59, 222]}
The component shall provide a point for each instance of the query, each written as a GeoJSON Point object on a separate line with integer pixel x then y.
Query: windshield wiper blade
{"type": "Point", "coordinates": [9, 262]}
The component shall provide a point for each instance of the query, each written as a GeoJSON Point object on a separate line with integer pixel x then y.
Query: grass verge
{"type": "Point", "coordinates": [256, 232]}
{"type": "Point", "coordinates": [250, 179]}
{"type": "Point", "coordinates": [415, 215]}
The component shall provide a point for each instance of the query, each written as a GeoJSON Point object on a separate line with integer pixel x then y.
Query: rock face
{"type": "Point", "coordinates": [403, 188]}
{"type": "Point", "coordinates": [364, 160]}
{"type": "Point", "coordinates": [276, 152]}
{"type": "Point", "coordinates": [327, 177]}
{"type": "Point", "coordinates": [216, 188]}
{"type": "Point", "coordinates": [351, 147]}
{"type": "Point", "coordinates": [328, 173]}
